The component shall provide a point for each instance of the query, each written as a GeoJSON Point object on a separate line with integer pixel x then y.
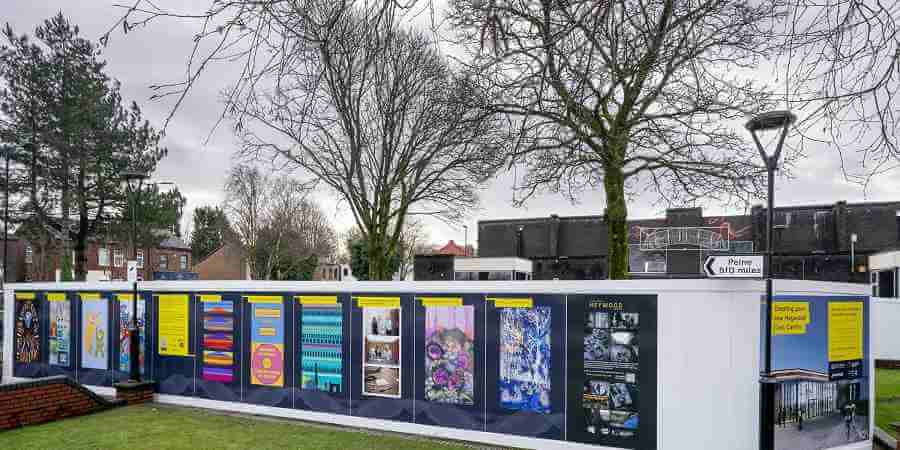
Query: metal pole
{"type": "Point", "coordinates": [466, 240]}
{"type": "Point", "coordinates": [134, 332]}
{"type": "Point", "coordinates": [6, 213]}
{"type": "Point", "coordinates": [767, 386]}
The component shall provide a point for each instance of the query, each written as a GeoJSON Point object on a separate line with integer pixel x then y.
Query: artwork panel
{"type": "Point", "coordinates": [381, 352]}
{"type": "Point", "coordinates": [321, 348]}
{"type": "Point", "coordinates": [60, 333]}
{"type": "Point", "coordinates": [524, 379]}
{"type": "Point", "coordinates": [267, 344]}
{"type": "Point", "coordinates": [28, 332]}
{"type": "Point", "coordinates": [450, 355]}
{"type": "Point", "coordinates": [95, 334]}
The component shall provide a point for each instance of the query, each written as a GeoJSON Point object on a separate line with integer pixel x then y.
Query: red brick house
{"type": "Point", "coordinates": [41, 253]}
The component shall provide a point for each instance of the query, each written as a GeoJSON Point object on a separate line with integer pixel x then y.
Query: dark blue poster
{"type": "Point", "coordinates": [612, 370]}
{"type": "Point", "coordinates": [323, 358]}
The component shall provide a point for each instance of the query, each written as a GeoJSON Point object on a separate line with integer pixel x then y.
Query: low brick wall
{"type": "Point", "coordinates": [45, 400]}
{"type": "Point", "coordinates": [887, 364]}
{"type": "Point", "coordinates": [132, 393]}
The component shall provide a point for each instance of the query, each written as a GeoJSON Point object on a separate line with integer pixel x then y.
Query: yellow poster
{"type": "Point", "coordinates": [173, 325]}
{"type": "Point", "coordinates": [790, 317]}
{"type": "Point", "coordinates": [845, 331]}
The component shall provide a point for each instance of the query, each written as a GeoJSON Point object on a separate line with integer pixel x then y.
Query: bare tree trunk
{"type": "Point", "coordinates": [616, 219]}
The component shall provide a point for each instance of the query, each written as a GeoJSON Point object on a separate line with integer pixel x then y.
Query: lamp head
{"type": "Point", "coordinates": [133, 178]}
{"type": "Point", "coordinates": [770, 120]}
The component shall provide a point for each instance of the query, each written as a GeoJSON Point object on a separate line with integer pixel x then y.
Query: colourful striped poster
{"type": "Point", "coordinates": [218, 339]}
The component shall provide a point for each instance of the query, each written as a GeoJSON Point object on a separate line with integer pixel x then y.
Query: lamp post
{"type": "Point", "coordinates": [853, 239]}
{"type": "Point", "coordinates": [466, 240]}
{"type": "Point", "coordinates": [779, 121]}
{"type": "Point", "coordinates": [134, 180]}
{"type": "Point", "coordinates": [7, 149]}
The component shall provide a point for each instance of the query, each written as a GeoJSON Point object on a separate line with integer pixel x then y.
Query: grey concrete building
{"type": "Point", "coordinates": [811, 242]}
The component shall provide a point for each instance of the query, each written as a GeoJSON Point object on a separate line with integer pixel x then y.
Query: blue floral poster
{"type": "Point", "coordinates": [524, 380]}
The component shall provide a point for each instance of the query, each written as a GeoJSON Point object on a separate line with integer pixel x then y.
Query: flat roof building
{"type": "Point", "coordinates": [814, 242]}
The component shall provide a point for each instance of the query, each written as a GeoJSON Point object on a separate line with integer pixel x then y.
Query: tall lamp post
{"type": "Point", "coordinates": [777, 121]}
{"type": "Point", "coordinates": [7, 150]}
{"type": "Point", "coordinates": [466, 240]}
{"type": "Point", "coordinates": [134, 180]}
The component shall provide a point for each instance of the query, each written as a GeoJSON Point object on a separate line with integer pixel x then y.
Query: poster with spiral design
{"type": "Point", "coordinates": [28, 332]}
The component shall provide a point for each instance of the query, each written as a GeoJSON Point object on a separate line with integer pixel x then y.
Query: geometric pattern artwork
{"type": "Point", "coordinates": [28, 332]}
{"type": "Point", "coordinates": [218, 340]}
{"type": "Point", "coordinates": [525, 359]}
{"type": "Point", "coordinates": [321, 343]}
{"type": "Point", "coordinates": [450, 354]}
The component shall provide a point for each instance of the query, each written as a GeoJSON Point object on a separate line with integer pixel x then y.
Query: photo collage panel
{"type": "Point", "coordinates": [611, 355]}
{"type": "Point", "coordinates": [381, 352]}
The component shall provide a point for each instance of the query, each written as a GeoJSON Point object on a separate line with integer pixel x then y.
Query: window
{"type": "Point", "coordinates": [118, 258]}
{"type": "Point", "coordinates": [898, 224]}
{"type": "Point", "coordinates": [886, 284]}
{"type": "Point", "coordinates": [103, 257]}
{"type": "Point", "coordinates": [182, 263]}
{"type": "Point", "coordinates": [163, 262]}
{"type": "Point", "coordinates": [29, 254]}
{"type": "Point", "coordinates": [140, 259]}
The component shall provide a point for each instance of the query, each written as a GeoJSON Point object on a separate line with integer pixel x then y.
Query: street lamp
{"type": "Point", "coordinates": [134, 180]}
{"type": "Point", "coordinates": [777, 121]}
{"type": "Point", "coordinates": [7, 150]}
{"type": "Point", "coordinates": [466, 240]}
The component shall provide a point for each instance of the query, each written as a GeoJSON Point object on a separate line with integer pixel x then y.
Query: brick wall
{"type": "Point", "coordinates": [45, 400]}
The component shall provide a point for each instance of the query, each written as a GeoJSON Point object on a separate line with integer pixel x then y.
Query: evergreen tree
{"type": "Point", "coordinates": [209, 231]}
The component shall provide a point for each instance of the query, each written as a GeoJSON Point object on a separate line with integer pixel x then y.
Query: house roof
{"type": "Point", "coordinates": [452, 249]}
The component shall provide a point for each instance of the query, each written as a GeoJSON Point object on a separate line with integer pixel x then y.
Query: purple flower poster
{"type": "Point", "coordinates": [450, 355]}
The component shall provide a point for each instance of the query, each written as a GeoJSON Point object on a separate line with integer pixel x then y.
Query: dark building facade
{"type": "Point", "coordinates": [814, 242]}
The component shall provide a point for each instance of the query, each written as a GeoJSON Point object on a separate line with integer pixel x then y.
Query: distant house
{"type": "Point", "coordinates": [226, 263]}
{"type": "Point", "coordinates": [41, 252]}
{"type": "Point", "coordinates": [333, 272]}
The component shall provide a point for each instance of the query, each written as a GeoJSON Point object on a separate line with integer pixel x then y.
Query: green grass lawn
{"type": "Point", "coordinates": [167, 427]}
{"type": "Point", "coordinates": [887, 399]}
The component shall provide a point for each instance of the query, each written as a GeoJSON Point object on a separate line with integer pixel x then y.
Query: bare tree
{"type": "Point", "coordinates": [282, 233]}
{"type": "Point", "coordinates": [378, 116]}
{"type": "Point", "coordinates": [627, 95]}
{"type": "Point", "coordinates": [413, 241]}
{"type": "Point", "coordinates": [246, 198]}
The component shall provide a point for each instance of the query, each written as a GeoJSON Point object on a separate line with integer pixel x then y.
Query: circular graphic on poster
{"type": "Point", "coordinates": [267, 364]}
{"type": "Point", "coordinates": [28, 333]}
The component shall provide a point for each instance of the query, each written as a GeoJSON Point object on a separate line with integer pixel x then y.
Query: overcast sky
{"type": "Point", "coordinates": [158, 53]}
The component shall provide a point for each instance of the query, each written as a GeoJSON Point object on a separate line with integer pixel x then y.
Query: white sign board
{"type": "Point", "coordinates": [132, 271]}
{"type": "Point", "coordinates": [730, 266]}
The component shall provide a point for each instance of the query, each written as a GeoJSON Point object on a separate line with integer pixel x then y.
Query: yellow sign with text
{"type": "Point", "coordinates": [378, 302]}
{"type": "Point", "coordinates": [317, 300]}
{"type": "Point", "coordinates": [56, 297]}
{"type": "Point", "coordinates": [173, 325]}
{"type": "Point", "coordinates": [441, 302]}
{"type": "Point", "coordinates": [512, 302]}
{"type": "Point", "coordinates": [845, 331]}
{"type": "Point", "coordinates": [790, 317]}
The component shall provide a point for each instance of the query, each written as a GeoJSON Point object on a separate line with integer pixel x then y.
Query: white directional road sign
{"type": "Point", "coordinates": [730, 266]}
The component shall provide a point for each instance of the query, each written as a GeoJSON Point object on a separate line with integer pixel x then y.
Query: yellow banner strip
{"type": "Point", "coordinates": [265, 298]}
{"type": "Point", "coordinates": [441, 301]}
{"type": "Point", "coordinates": [125, 297]}
{"type": "Point", "coordinates": [210, 298]}
{"type": "Point", "coordinates": [317, 299]}
{"type": "Point", "coordinates": [88, 296]}
{"type": "Point", "coordinates": [56, 297]}
{"type": "Point", "coordinates": [512, 302]}
{"type": "Point", "coordinates": [172, 297]}
{"type": "Point", "coordinates": [24, 295]}
{"type": "Point", "coordinates": [378, 302]}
